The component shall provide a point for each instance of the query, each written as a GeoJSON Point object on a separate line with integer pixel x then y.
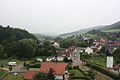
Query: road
{"type": "Point", "coordinates": [76, 57]}
{"type": "Point", "coordinates": [77, 62]}
{"type": "Point", "coordinates": [17, 69]}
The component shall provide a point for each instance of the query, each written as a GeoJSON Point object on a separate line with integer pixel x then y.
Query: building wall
{"type": "Point", "coordinates": [59, 77]}
{"type": "Point", "coordinates": [60, 58]}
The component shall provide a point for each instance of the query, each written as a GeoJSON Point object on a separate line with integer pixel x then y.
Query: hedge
{"type": "Point", "coordinates": [106, 72]}
{"type": "Point", "coordinates": [36, 65]}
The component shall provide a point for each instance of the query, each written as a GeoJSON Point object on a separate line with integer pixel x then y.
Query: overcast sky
{"type": "Point", "coordinates": [58, 16]}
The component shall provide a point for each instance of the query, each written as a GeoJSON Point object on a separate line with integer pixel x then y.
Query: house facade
{"type": "Point", "coordinates": [58, 69]}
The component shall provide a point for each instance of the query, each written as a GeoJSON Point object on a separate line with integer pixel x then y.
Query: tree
{"type": "Point", "coordinates": [50, 75]}
{"type": "Point", "coordinates": [1, 50]}
{"type": "Point", "coordinates": [44, 76]}
{"type": "Point", "coordinates": [26, 48]}
{"type": "Point", "coordinates": [116, 55]}
{"type": "Point", "coordinates": [90, 75]}
{"type": "Point", "coordinates": [10, 68]}
{"type": "Point", "coordinates": [24, 64]}
{"type": "Point", "coordinates": [27, 67]}
{"type": "Point", "coordinates": [40, 76]}
{"type": "Point", "coordinates": [66, 59]}
{"type": "Point", "coordinates": [2, 66]}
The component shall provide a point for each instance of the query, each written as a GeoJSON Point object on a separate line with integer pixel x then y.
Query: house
{"type": "Point", "coordinates": [70, 51]}
{"type": "Point", "coordinates": [59, 70]}
{"type": "Point", "coordinates": [56, 45]}
{"type": "Point", "coordinates": [60, 55]}
{"type": "Point", "coordinates": [51, 58]}
{"type": "Point", "coordinates": [39, 59]}
{"type": "Point", "coordinates": [89, 50]}
{"type": "Point", "coordinates": [12, 63]}
{"type": "Point", "coordinates": [29, 75]}
{"type": "Point", "coordinates": [111, 47]}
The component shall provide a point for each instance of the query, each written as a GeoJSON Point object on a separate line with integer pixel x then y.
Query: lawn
{"type": "Point", "coordinates": [98, 60]}
{"type": "Point", "coordinates": [2, 73]}
{"type": "Point", "coordinates": [76, 74]}
{"type": "Point", "coordinates": [113, 30]}
{"type": "Point", "coordinates": [5, 62]}
{"type": "Point", "coordinates": [14, 77]}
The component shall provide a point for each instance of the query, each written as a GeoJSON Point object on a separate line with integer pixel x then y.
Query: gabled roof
{"type": "Point", "coordinates": [58, 68]}
{"type": "Point", "coordinates": [29, 75]}
{"type": "Point", "coordinates": [70, 50]}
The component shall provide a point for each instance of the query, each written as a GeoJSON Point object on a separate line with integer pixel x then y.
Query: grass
{"type": "Point", "coordinates": [2, 73]}
{"type": "Point", "coordinates": [5, 62]}
{"type": "Point", "coordinates": [14, 77]}
{"type": "Point", "coordinates": [113, 30]}
{"type": "Point", "coordinates": [92, 35]}
{"type": "Point", "coordinates": [98, 60]}
{"type": "Point", "coordinates": [76, 74]}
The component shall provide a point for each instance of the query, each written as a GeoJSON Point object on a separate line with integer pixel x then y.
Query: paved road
{"type": "Point", "coordinates": [76, 56]}
{"type": "Point", "coordinates": [17, 69]}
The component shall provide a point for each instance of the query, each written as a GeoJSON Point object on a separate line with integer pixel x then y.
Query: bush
{"type": "Point", "coordinates": [36, 65]}
{"type": "Point", "coordinates": [106, 72]}
{"type": "Point", "coordinates": [10, 68]}
{"type": "Point", "coordinates": [2, 66]}
{"type": "Point", "coordinates": [70, 67]}
{"type": "Point", "coordinates": [76, 67]}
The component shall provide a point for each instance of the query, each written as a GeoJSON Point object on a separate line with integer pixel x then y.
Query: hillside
{"type": "Point", "coordinates": [106, 27]}
{"type": "Point", "coordinates": [13, 34]}
{"type": "Point", "coordinates": [43, 37]}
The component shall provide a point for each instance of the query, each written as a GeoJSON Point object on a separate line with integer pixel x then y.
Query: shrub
{"type": "Point", "coordinates": [10, 68]}
{"type": "Point", "coordinates": [70, 67]}
{"type": "Point", "coordinates": [36, 65]}
{"type": "Point", "coordinates": [2, 66]}
{"type": "Point", "coordinates": [108, 73]}
{"type": "Point", "coordinates": [76, 67]}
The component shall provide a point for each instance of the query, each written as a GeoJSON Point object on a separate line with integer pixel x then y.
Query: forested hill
{"type": "Point", "coordinates": [13, 34]}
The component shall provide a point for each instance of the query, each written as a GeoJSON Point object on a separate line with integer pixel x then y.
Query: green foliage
{"type": "Point", "coordinates": [25, 48]}
{"type": "Point", "coordinates": [10, 68]}
{"type": "Point", "coordinates": [67, 60]}
{"type": "Point", "coordinates": [90, 75]}
{"type": "Point", "coordinates": [9, 34]}
{"type": "Point", "coordinates": [116, 55]}
{"type": "Point", "coordinates": [76, 74]}
{"type": "Point", "coordinates": [70, 67]}
{"type": "Point", "coordinates": [94, 59]}
{"type": "Point", "coordinates": [104, 71]}
{"type": "Point", "coordinates": [27, 67]}
{"type": "Point", "coordinates": [44, 76]}
{"type": "Point", "coordinates": [24, 64]}
{"type": "Point", "coordinates": [35, 65]}
{"type": "Point", "coordinates": [2, 65]}
{"type": "Point", "coordinates": [75, 67]}
{"type": "Point", "coordinates": [40, 76]}
{"type": "Point", "coordinates": [1, 51]}
{"type": "Point", "coordinates": [50, 75]}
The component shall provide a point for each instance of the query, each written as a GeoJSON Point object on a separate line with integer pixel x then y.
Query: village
{"type": "Point", "coordinates": [59, 40]}
{"type": "Point", "coordinates": [71, 63]}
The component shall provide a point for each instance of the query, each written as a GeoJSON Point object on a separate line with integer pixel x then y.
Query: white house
{"type": "Point", "coordinates": [39, 59]}
{"type": "Point", "coordinates": [50, 58]}
{"type": "Point", "coordinates": [89, 50]}
{"type": "Point", "coordinates": [12, 63]}
{"type": "Point", "coordinates": [56, 45]}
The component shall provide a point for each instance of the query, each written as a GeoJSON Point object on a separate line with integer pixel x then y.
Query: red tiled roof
{"type": "Point", "coordinates": [58, 68]}
{"type": "Point", "coordinates": [70, 50]}
{"type": "Point", "coordinates": [29, 75]}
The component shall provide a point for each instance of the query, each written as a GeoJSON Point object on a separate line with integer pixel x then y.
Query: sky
{"type": "Point", "coordinates": [58, 16]}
